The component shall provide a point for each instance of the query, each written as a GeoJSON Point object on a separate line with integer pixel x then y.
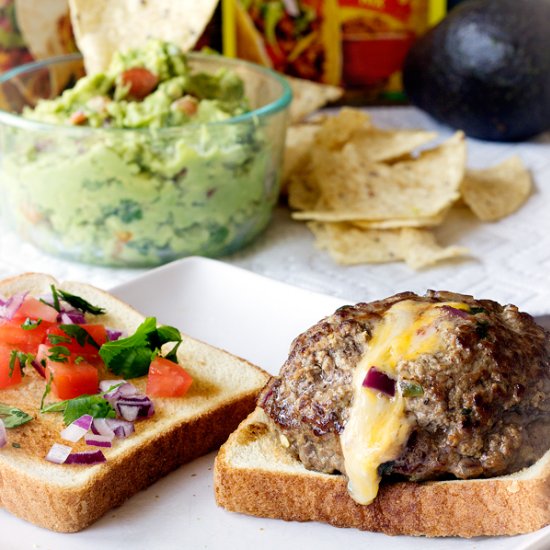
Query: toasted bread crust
{"type": "Point", "coordinates": [71, 509]}
{"type": "Point", "coordinates": [282, 488]}
{"type": "Point", "coordinates": [69, 498]}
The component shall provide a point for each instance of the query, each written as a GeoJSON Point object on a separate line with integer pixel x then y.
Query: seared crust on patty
{"type": "Point", "coordinates": [484, 409]}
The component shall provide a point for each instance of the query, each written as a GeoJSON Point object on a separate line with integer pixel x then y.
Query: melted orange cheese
{"type": "Point", "coordinates": [378, 428]}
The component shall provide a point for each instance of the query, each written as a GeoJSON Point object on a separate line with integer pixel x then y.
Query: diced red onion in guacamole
{"type": "Point", "coordinates": [380, 381]}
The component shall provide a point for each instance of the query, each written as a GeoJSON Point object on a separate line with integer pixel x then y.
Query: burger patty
{"type": "Point", "coordinates": [481, 405]}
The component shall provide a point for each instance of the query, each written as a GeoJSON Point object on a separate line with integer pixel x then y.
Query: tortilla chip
{"type": "Point", "coordinates": [337, 130]}
{"type": "Point", "coordinates": [351, 189]}
{"type": "Point", "coordinates": [102, 27]}
{"type": "Point", "coordinates": [353, 128]}
{"type": "Point", "coordinates": [390, 223]}
{"type": "Point", "coordinates": [45, 26]}
{"type": "Point", "coordinates": [376, 145]}
{"type": "Point", "coordinates": [349, 245]}
{"type": "Point", "coordinates": [308, 97]}
{"type": "Point", "coordinates": [430, 221]}
{"type": "Point", "coordinates": [370, 198]}
{"type": "Point", "coordinates": [419, 249]}
{"type": "Point", "coordinates": [498, 191]}
{"type": "Point", "coordinates": [46, 29]}
{"type": "Point", "coordinates": [299, 141]}
{"type": "Point", "coordinates": [303, 191]}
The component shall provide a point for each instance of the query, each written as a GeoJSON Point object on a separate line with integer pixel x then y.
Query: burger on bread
{"type": "Point", "coordinates": [414, 388]}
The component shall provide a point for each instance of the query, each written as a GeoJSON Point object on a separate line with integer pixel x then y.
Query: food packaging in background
{"type": "Point", "coordinates": [13, 51]}
{"type": "Point", "coordinates": [358, 44]}
{"type": "Point", "coordinates": [300, 39]}
{"type": "Point", "coordinates": [33, 29]}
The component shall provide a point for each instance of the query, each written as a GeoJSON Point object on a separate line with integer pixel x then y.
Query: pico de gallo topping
{"type": "Point", "coordinates": [62, 338]}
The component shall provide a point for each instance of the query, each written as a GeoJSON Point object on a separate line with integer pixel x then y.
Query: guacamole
{"type": "Point", "coordinates": [141, 177]}
{"type": "Point", "coordinates": [152, 87]}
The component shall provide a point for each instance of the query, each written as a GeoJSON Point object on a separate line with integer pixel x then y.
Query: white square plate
{"type": "Point", "coordinates": [256, 318]}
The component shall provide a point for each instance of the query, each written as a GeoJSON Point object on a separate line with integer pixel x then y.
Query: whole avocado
{"type": "Point", "coordinates": [486, 69]}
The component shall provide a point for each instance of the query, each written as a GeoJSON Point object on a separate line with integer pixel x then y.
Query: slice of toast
{"type": "Point", "coordinates": [68, 498]}
{"type": "Point", "coordinates": [254, 474]}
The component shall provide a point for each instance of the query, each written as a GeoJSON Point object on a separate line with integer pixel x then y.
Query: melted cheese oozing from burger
{"type": "Point", "coordinates": [378, 428]}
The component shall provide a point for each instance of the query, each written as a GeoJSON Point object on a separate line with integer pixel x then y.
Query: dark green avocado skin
{"type": "Point", "coordinates": [486, 69]}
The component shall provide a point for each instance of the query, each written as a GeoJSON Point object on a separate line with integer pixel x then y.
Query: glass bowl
{"type": "Point", "coordinates": [140, 197]}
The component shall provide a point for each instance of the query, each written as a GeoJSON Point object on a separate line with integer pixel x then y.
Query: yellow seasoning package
{"type": "Point", "coordinates": [375, 38]}
{"type": "Point", "coordinates": [357, 44]}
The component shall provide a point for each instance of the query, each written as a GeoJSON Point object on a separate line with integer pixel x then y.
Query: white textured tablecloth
{"type": "Point", "coordinates": [510, 258]}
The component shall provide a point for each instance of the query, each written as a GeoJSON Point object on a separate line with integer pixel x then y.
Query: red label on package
{"type": "Point", "coordinates": [400, 9]}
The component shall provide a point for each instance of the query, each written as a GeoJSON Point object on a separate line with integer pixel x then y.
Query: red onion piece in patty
{"type": "Point", "coordinates": [378, 380]}
{"type": "Point", "coordinates": [455, 312]}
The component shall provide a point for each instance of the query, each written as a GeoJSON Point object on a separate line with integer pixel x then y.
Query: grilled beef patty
{"type": "Point", "coordinates": [483, 408]}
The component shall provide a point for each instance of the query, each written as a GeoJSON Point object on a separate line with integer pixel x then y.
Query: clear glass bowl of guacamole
{"type": "Point", "coordinates": [195, 175]}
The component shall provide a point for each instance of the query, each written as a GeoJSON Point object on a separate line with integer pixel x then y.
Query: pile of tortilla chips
{"type": "Point", "coordinates": [370, 197]}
